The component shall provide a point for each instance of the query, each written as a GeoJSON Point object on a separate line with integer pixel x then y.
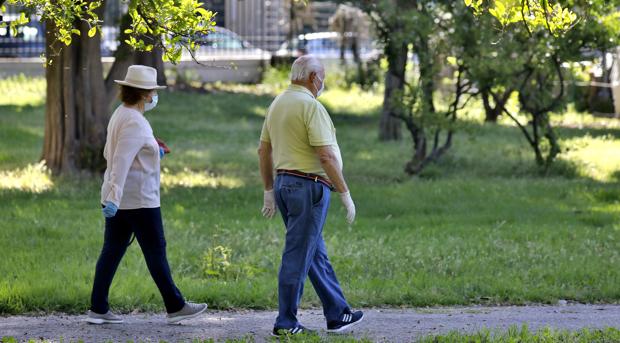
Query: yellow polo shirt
{"type": "Point", "coordinates": [296, 123]}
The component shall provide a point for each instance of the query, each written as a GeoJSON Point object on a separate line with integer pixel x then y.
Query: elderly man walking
{"type": "Point", "coordinates": [298, 140]}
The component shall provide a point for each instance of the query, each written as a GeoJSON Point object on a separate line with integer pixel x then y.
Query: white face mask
{"type": "Point", "coordinates": [151, 105]}
{"type": "Point", "coordinates": [318, 93]}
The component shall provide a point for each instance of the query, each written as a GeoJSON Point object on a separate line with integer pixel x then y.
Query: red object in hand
{"type": "Point", "coordinates": [163, 145]}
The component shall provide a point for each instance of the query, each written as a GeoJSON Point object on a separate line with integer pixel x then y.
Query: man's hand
{"type": "Point", "coordinates": [347, 201]}
{"type": "Point", "coordinates": [269, 204]}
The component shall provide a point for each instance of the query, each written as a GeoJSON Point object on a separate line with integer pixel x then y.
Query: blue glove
{"type": "Point", "coordinates": [109, 209]}
{"type": "Point", "coordinates": [161, 153]}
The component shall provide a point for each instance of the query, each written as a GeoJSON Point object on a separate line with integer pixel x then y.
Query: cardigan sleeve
{"type": "Point", "coordinates": [130, 140]}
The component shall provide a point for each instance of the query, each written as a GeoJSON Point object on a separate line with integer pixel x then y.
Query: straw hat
{"type": "Point", "coordinates": [139, 76]}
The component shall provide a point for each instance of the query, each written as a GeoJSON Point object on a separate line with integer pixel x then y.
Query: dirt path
{"type": "Point", "coordinates": [392, 325]}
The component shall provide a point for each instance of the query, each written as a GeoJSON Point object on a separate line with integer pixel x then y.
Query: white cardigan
{"type": "Point", "coordinates": [131, 179]}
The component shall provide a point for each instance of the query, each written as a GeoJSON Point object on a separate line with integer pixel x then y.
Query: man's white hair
{"type": "Point", "coordinates": [303, 66]}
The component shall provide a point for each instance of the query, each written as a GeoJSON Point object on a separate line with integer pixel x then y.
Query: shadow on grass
{"type": "Point", "coordinates": [229, 124]}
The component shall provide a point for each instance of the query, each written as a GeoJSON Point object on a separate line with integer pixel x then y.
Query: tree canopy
{"type": "Point", "coordinates": [172, 25]}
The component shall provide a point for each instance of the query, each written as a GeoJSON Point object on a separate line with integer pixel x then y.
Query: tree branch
{"type": "Point", "coordinates": [521, 127]}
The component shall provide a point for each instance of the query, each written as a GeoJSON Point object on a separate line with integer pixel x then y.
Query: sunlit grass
{"type": "Point", "coordinates": [350, 101]}
{"type": "Point", "coordinates": [189, 178]}
{"type": "Point", "coordinates": [597, 157]}
{"type": "Point", "coordinates": [574, 119]}
{"type": "Point", "coordinates": [354, 101]}
{"type": "Point", "coordinates": [34, 178]}
{"type": "Point", "coordinates": [22, 90]}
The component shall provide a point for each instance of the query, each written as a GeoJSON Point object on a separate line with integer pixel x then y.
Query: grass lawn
{"type": "Point", "coordinates": [481, 226]}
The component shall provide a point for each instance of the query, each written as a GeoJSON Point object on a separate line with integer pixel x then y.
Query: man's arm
{"type": "Point", "coordinates": [265, 162]}
{"type": "Point", "coordinates": [329, 162]}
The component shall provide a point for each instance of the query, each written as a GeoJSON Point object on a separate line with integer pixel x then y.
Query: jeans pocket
{"type": "Point", "coordinates": [292, 194]}
{"type": "Point", "coordinates": [317, 194]}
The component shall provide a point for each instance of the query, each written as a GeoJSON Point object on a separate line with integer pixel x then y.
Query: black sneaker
{"type": "Point", "coordinates": [348, 320]}
{"type": "Point", "coordinates": [278, 332]}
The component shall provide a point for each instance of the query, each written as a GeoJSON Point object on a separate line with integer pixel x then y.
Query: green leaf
{"type": "Point", "coordinates": [92, 31]}
{"type": "Point", "coordinates": [204, 13]}
{"type": "Point", "coordinates": [76, 31]}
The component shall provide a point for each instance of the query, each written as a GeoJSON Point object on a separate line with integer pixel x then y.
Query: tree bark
{"type": "Point", "coordinates": [75, 112]}
{"type": "Point", "coordinates": [389, 125]}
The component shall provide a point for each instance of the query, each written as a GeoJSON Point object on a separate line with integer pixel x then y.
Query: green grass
{"type": "Point", "coordinates": [523, 334]}
{"type": "Point", "coordinates": [512, 335]}
{"type": "Point", "coordinates": [481, 226]}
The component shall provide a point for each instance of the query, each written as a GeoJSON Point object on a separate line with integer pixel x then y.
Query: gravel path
{"type": "Point", "coordinates": [391, 325]}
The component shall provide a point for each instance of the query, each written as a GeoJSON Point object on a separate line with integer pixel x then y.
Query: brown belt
{"type": "Point", "coordinates": [309, 176]}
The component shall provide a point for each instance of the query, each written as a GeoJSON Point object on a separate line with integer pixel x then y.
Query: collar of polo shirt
{"type": "Point", "coordinates": [300, 88]}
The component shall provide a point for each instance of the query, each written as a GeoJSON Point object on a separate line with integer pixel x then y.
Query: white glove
{"type": "Point", "coordinates": [347, 201]}
{"type": "Point", "coordinates": [269, 204]}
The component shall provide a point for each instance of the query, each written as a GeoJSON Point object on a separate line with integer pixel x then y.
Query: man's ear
{"type": "Point", "coordinates": [312, 76]}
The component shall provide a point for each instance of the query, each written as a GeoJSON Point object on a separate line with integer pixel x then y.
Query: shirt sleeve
{"type": "Point", "coordinates": [130, 141]}
{"type": "Point", "coordinates": [264, 134]}
{"type": "Point", "coordinates": [320, 126]}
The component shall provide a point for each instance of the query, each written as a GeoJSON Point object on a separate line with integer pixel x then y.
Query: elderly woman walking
{"type": "Point", "coordinates": [130, 199]}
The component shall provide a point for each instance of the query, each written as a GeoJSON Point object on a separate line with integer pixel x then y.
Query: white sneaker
{"type": "Point", "coordinates": [107, 318]}
{"type": "Point", "coordinates": [189, 310]}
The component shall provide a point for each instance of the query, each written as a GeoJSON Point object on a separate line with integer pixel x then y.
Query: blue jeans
{"type": "Point", "coordinates": [148, 227]}
{"type": "Point", "coordinates": [303, 204]}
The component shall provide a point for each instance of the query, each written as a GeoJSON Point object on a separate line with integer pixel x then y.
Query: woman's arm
{"type": "Point", "coordinates": [130, 141]}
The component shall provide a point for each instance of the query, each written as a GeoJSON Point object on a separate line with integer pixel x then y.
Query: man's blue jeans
{"type": "Point", "coordinates": [303, 204]}
{"type": "Point", "coordinates": [147, 225]}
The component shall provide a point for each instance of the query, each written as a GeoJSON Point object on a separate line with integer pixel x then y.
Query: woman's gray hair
{"type": "Point", "coordinates": [303, 66]}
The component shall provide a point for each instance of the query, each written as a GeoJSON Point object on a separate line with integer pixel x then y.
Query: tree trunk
{"type": "Point", "coordinates": [78, 101]}
{"type": "Point", "coordinates": [343, 41]}
{"type": "Point", "coordinates": [75, 110]}
{"type": "Point", "coordinates": [492, 113]}
{"type": "Point", "coordinates": [152, 59]}
{"type": "Point", "coordinates": [427, 83]}
{"type": "Point", "coordinates": [389, 125]}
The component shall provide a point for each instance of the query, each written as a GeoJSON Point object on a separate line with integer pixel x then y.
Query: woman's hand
{"type": "Point", "coordinates": [163, 145]}
{"type": "Point", "coordinates": [109, 209]}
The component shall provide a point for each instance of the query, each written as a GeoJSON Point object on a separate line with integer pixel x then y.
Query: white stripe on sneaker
{"type": "Point", "coordinates": [348, 325]}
